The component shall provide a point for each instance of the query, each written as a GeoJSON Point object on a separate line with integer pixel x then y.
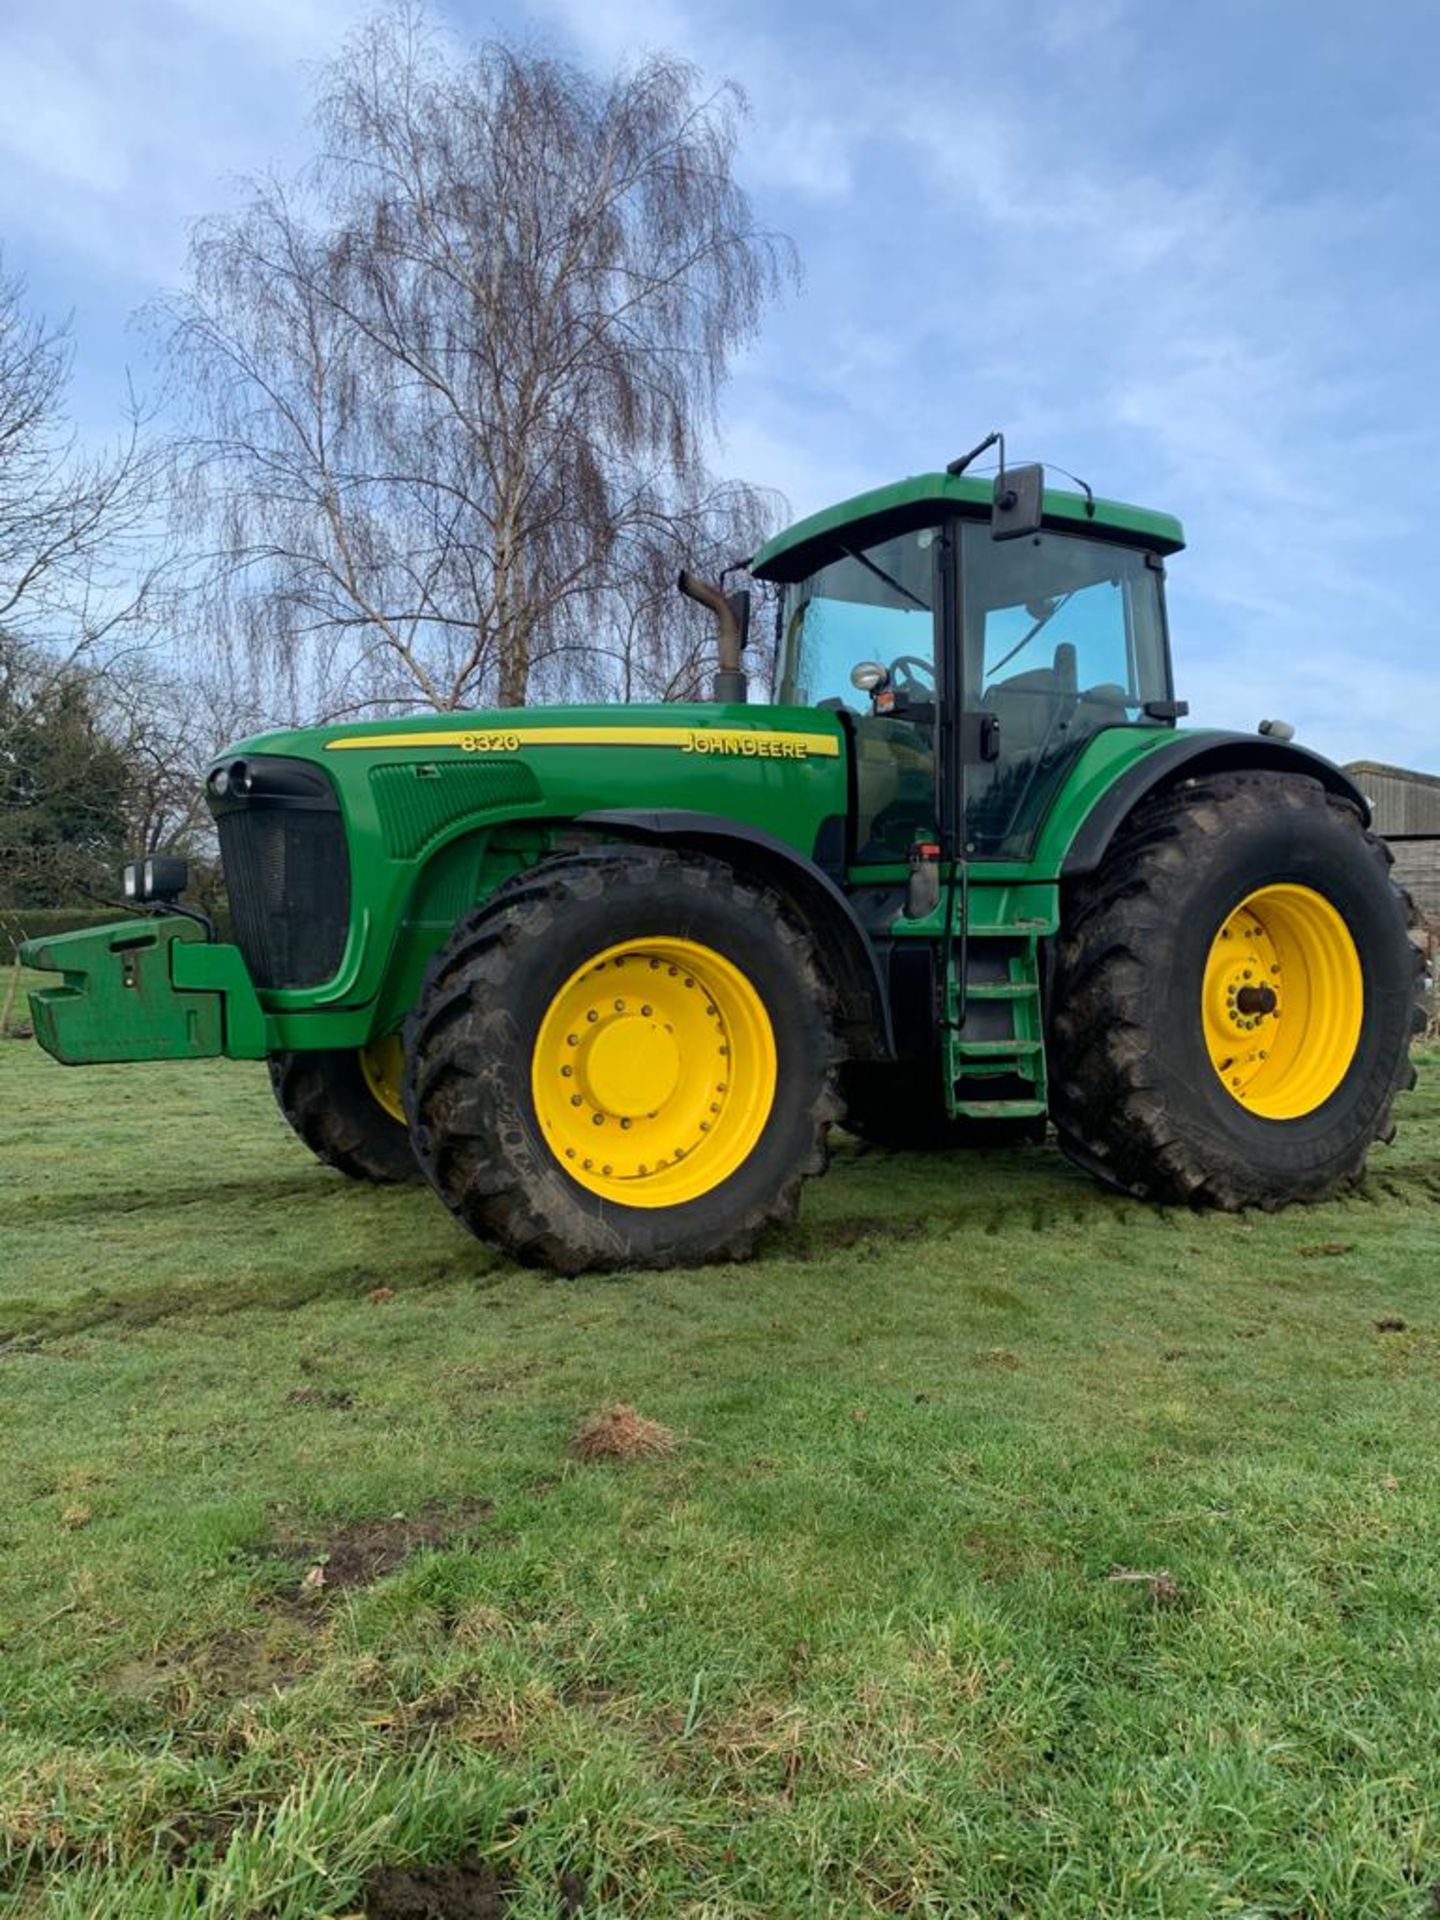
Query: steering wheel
{"type": "Point", "coordinates": [912, 675]}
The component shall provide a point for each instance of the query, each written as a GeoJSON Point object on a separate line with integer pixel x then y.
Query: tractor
{"type": "Point", "coordinates": [606, 976]}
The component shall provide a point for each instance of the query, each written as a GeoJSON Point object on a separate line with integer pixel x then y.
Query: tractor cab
{"type": "Point", "coordinates": [957, 645]}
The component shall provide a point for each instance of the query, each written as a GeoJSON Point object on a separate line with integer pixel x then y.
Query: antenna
{"type": "Point", "coordinates": [1085, 487]}
{"type": "Point", "coordinates": [966, 459]}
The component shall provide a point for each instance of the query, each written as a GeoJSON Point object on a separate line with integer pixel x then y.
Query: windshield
{"type": "Point", "coordinates": [872, 604]}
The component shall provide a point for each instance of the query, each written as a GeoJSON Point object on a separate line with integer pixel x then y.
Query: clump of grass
{"type": "Point", "coordinates": [620, 1433]}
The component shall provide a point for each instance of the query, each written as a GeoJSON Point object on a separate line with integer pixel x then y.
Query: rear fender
{"type": "Point", "coordinates": [1191, 757]}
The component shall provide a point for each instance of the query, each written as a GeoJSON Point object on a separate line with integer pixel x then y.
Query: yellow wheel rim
{"type": "Point", "coordinates": [383, 1065]}
{"type": "Point", "coordinates": [1284, 999]}
{"type": "Point", "coordinates": [654, 1072]}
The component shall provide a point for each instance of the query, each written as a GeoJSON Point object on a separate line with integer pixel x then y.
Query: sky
{"type": "Point", "coordinates": [1191, 253]}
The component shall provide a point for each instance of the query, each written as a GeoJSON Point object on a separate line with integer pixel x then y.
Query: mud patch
{"type": "Point", "coordinates": [232, 1666]}
{"type": "Point", "coordinates": [469, 1890]}
{"type": "Point", "coordinates": [368, 1550]}
{"type": "Point", "coordinates": [845, 1236]}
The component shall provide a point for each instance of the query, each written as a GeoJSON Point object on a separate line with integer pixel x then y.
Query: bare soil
{"type": "Point", "coordinates": [469, 1890]}
{"type": "Point", "coordinates": [367, 1550]}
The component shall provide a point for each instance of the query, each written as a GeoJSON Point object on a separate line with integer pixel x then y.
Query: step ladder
{"type": "Point", "coordinates": [994, 1020]}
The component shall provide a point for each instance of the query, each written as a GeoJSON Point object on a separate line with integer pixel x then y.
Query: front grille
{"type": "Point", "coordinates": [287, 875]}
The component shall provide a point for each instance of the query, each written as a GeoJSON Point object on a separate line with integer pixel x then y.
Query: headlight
{"type": "Point", "coordinates": [163, 878]}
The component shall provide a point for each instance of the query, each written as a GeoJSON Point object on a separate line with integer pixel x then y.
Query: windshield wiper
{"type": "Point", "coordinates": [1020, 645]}
{"type": "Point", "coordinates": [889, 579]}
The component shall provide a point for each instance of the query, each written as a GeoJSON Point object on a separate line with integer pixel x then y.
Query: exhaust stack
{"type": "Point", "coordinates": [731, 617]}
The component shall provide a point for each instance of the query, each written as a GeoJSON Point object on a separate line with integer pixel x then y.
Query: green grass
{"type": "Point", "coordinates": [855, 1649]}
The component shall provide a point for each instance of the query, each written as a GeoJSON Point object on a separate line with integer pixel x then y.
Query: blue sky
{"type": "Point", "coordinates": [1188, 252]}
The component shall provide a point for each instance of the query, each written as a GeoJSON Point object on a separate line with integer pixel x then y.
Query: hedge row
{"type": "Point", "coordinates": [36, 923]}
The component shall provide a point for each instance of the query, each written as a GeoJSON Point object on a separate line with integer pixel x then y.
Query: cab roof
{"type": "Point", "coordinates": [787, 556]}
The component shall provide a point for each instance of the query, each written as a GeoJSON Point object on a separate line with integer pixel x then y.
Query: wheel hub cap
{"type": "Point", "coordinates": [630, 1068]}
{"type": "Point", "coordinates": [1283, 1001]}
{"type": "Point", "coordinates": [654, 1072]}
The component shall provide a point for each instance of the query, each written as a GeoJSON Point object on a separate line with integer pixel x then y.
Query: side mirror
{"type": "Point", "coordinates": [1019, 503]}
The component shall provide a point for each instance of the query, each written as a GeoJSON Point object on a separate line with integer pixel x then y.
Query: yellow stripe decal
{"type": "Point", "coordinates": [748, 743]}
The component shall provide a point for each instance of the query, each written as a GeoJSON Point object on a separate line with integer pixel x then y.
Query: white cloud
{"type": "Point", "coordinates": [122, 126]}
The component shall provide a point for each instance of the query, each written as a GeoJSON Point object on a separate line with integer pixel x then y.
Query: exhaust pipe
{"type": "Point", "coordinates": [730, 684]}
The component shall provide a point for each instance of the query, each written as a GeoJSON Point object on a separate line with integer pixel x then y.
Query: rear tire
{"type": "Point", "coordinates": [330, 1102]}
{"type": "Point", "coordinates": [630, 976]}
{"type": "Point", "coordinates": [1162, 1086]}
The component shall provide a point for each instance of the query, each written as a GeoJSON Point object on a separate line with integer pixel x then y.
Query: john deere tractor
{"type": "Point", "coordinates": [605, 977]}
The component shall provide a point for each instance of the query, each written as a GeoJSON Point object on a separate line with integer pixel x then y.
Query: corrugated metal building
{"type": "Point", "coordinates": [1407, 814]}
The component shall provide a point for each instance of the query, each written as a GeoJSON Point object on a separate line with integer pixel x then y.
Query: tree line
{"type": "Point", "coordinates": [434, 434]}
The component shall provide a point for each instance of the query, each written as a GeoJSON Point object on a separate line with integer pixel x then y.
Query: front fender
{"type": "Point", "coordinates": [845, 947]}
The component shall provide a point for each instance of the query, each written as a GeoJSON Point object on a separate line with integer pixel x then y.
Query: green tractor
{"type": "Point", "coordinates": [606, 976]}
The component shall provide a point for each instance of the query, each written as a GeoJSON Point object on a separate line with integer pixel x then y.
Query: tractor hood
{"type": "Point", "coordinates": [404, 787]}
{"type": "Point", "coordinates": [546, 737]}
{"type": "Point", "coordinates": [344, 847]}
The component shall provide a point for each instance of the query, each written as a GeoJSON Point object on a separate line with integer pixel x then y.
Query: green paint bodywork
{"type": "Point", "coordinates": [779, 558]}
{"type": "Point", "coordinates": [144, 990]}
{"type": "Point", "coordinates": [150, 990]}
{"type": "Point", "coordinates": [435, 825]}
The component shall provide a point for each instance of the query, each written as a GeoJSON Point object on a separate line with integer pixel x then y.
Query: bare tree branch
{"type": "Point", "coordinates": [451, 391]}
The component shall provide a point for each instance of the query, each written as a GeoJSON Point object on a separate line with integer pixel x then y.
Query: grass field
{"type": "Point", "coordinates": [859, 1646]}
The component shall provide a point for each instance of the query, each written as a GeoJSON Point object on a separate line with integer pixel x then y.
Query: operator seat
{"type": "Point", "coordinates": [1033, 707]}
{"type": "Point", "coordinates": [1034, 710]}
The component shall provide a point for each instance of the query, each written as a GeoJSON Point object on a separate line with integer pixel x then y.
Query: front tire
{"type": "Point", "coordinates": [346, 1108]}
{"type": "Point", "coordinates": [625, 1059]}
{"type": "Point", "coordinates": [1235, 996]}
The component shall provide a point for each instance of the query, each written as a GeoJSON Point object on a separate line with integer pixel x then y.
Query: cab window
{"type": "Point", "coordinates": [873, 603]}
{"type": "Point", "coordinates": [1063, 636]}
